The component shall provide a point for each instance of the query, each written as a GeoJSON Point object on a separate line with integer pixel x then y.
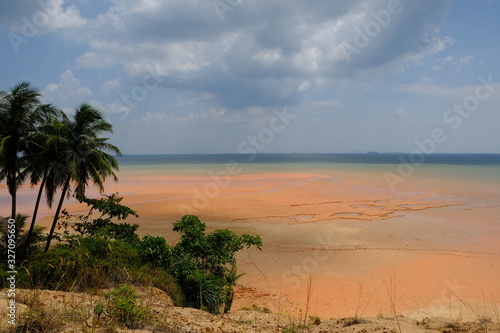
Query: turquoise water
{"type": "Point", "coordinates": [446, 159]}
{"type": "Point", "coordinates": [466, 167]}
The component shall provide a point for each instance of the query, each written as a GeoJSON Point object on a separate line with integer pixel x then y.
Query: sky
{"type": "Point", "coordinates": [272, 76]}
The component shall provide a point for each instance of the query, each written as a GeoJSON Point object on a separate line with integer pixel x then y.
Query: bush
{"type": "Point", "coordinates": [122, 306]}
{"type": "Point", "coordinates": [155, 251]}
{"type": "Point", "coordinates": [204, 265]}
{"type": "Point", "coordinates": [160, 278]}
{"type": "Point", "coordinates": [200, 271]}
{"type": "Point", "coordinates": [86, 263]}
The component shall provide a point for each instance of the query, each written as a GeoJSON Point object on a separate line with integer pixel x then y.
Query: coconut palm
{"type": "Point", "coordinates": [21, 111]}
{"type": "Point", "coordinates": [44, 166]}
{"type": "Point", "coordinates": [83, 155]}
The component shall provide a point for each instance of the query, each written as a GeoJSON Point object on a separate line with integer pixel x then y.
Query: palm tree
{"type": "Point", "coordinates": [20, 113]}
{"type": "Point", "coordinates": [44, 166]}
{"type": "Point", "coordinates": [83, 155]}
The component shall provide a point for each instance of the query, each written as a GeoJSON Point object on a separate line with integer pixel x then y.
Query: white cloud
{"type": "Point", "coordinates": [400, 111]}
{"type": "Point", "coordinates": [172, 119]}
{"type": "Point", "coordinates": [63, 17]}
{"type": "Point", "coordinates": [458, 63]}
{"type": "Point", "coordinates": [329, 103]}
{"type": "Point", "coordinates": [43, 16]}
{"type": "Point", "coordinates": [268, 56]}
{"type": "Point", "coordinates": [111, 86]}
{"type": "Point", "coordinates": [256, 56]}
{"type": "Point", "coordinates": [453, 93]}
{"type": "Point", "coordinates": [69, 93]}
{"type": "Point", "coordinates": [115, 108]}
{"type": "Point", "coordinates": [305, 86]}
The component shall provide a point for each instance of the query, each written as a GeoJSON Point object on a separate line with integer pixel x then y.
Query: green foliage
{"type": "Point", "coordinates": [83, 155]}
{"type": "Point", "coordinates": [122, 306]}
{"type": "Point", "coordinates": [214, 251]}
{"type": "Point", "coordinates": [21, 113]}
{"type": "Point", "coordinates": [107, 209]}
{"type": "Point", "coordinates": [155, 251]}
{"type": "Point", "coordinates": [18, 236]}
{"type": "Point", "coordinates": [257, 308]}
{"type": "Point", "coordinates": [314, 320]}
{"type": "Point", "coordinates": [38, 320]}
{"type": "Point", "coordinates": [200, 263]}
{"type": "Point", "coordinates": [200, 271]}
{"type": "Point", "coordinates": [84, 263]}
{"type": "Point", "coordinates": [157, 277]}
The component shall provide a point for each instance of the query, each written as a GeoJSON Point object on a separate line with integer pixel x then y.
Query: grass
{"type": "Point", "coordinates": [495, 309]}
{"type": "Point", "coordinates": [362, 297]}
{"type": "Point", "coordinates": [120, 311]}
{"type": "Point", "coordinates": [314, 320]}
{"type": "Point", "coordinates": [42, 316]}
{"type": "Point", "coordinates": [349, 321]}
{"type": "Point", "coordinates": [120, 308]}
{"type": "Point", "coordinates": [308, 300]}
{"type": "Point", "coordinates": [257, 308]}
{"type": "Point", "coordinates": [481, 317]}
{"type": "Point", "coordinates": [390, 288]}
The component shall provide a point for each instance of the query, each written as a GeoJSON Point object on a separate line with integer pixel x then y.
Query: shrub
{"type": "Point", "coordinates": [85, 263]}
{"type": "Point", "coordinates": [122, 306]}
{"type": "Point", "coordinates": [154, 251]}
{"type": "Point", "coordinates": [200, 263]}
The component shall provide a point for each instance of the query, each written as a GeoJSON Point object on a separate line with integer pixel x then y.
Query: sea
{"type": "Point", "coordinates": [368, 158]}
{"type": "Point", "coordinates": [476, 168]}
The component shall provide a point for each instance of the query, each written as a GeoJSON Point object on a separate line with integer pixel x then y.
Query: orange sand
{"type": "Point", "coordinates": [429, 245]}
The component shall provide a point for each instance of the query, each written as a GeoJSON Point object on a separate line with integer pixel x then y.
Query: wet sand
{"type": "Point", "coordinates": [431, 246]}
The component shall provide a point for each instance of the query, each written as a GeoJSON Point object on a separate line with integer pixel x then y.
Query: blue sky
{"type": "Point", "coordinates": [205, 76]}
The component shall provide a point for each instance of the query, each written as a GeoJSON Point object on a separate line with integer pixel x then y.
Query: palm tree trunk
{"type": "Point", "coordinates": [13, 193]}
{"type": "Point", "coordinates": [14, 203]}
{"type": "Point", "coordinates": [35, 211]}
{"type": "Point", "coordinates": [58, 210]}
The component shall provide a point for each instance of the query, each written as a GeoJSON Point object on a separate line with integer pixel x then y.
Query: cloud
{"type": "Point", "coordinates": [111, 86]}
{"type": "Point", "coordinates": [264, 53]}
{"type": "Point", "coordinates": [458, 63]}
{"type": "Point", "coordinates": [329, 103]}
{"type": "Point", "coordinates": [68, 94]}
{"type": "Point", "coordinates": [164, 118]}
{"type": "Point", "coordinates": [115, 108]}
{"type": "Point", "coordinates": [458, 93]}
{"type": "Point", "coordinates": [40, 16]}
{"type": "Point", "coordinates": [452, 93]}
{"type": "Point", "coordinates": [400, 111]}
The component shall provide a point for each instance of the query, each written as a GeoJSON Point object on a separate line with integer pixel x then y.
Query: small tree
{"type": "Point", "coordinates": [204, 264]}
{"type": "Point", "coordinates": [99, 219]}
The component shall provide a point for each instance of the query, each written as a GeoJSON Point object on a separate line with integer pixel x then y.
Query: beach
{"type": "Point", "coordinates": [338, 240]}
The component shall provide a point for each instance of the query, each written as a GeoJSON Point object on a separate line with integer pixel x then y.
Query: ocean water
{"type": "Point", "coordinates": [472, 167]}
{"type": "Point", "coordinates": [393, 158]}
